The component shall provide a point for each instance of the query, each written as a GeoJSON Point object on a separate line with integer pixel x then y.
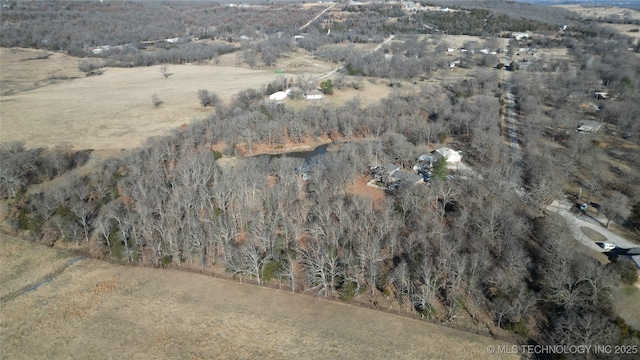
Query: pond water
{"type": "Point", "coordinates": [307, 155]}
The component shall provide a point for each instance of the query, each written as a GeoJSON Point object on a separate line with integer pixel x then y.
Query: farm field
{"type": "Point", "coordinates": [594, 12]}
{"type": "Point", "coordinates": [95, 309]}
{"type": "Point", "coordinates": [624, 30]}
{"type": "Point", "coordinates": [114, 111]}
{"type": "Point", "coordinates": [597, 12]}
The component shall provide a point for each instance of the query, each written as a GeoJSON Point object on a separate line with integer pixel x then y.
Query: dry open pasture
{"type": "Point", "coordinates": [114, 111]}
{"type": "Point", "coordinates": [624, 30]}
{"type": "Point", "coordinates": [26, 69]}
{"type": "Point", "coordinates": [599, 12]}
{"type": "Point", "coordinates": [92, 309]}
{"type": "Point", "coordinates": [595, 12]}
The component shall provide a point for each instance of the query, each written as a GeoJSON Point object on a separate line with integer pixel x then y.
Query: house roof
{"type": "Point", "coordinates": [390, 167]}
{"type": "Point", "coordinates": [589, 126]}
{"type": "Point", "coordinates": [425, 157]}
{"type": "Point", "coordinates": [280, 95]}
{"type": "Point", "coordinates": [450, 155]}
{"type": "Point", "coordinates": [406, 177]}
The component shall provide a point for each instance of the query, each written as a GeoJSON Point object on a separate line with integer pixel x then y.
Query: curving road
{"type": "Point", "coordinates": [386, 41]}
{"type": "Point", "coordinates": [575, 224]}
{"type": "Point", "coordinates": [316, 18]}
{"type": "Point", "coordinates": [562, 208]}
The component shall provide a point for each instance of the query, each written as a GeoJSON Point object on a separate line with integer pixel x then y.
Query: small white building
{"type": "Point", "coordinates": [520, 35]}
{"type": "Point", "coordinates": [588, 126]}
{"type": "Point", "coordinates": [601, 95]}
{"type": "Point", "coordinates": [278, 96]}
{"type": "Point", "coordinates": [314, 95]}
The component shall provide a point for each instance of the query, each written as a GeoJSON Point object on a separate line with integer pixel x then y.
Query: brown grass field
{"type": "Point", "coordinates": [624, 30]}
{"type": "Point", "coordinates": [92, 309]}
{"type": "Point", "coordinates": [114, 111]}
{"type": "Point", "coordinates": [626, 300]}
{"type": "Point", "coordinates": [595, 12]}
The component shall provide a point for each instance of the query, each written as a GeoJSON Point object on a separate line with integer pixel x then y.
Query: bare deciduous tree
{"type": "Point", "coordinates": [208, 98]}
{"type": "Point", "coordinates": [164, 70]}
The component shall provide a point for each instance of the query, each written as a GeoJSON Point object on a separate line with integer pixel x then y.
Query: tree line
{"type": "Point", "coordinates": [135, 32]}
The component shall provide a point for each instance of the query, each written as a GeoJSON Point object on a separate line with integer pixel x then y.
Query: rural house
{"type": "Point", "coordinates": [392, 177]}
{"type": "Point", "coordinates": [588, 126]}
{"type": "Point", "coordinates": [450, 155]}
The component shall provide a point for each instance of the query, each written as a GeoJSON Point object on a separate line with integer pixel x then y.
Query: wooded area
{"type": "Point", "coordinates": [468, 248]}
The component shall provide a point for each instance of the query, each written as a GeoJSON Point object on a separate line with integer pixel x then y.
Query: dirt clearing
{"type": "Point", "coordinates": [98, 310]}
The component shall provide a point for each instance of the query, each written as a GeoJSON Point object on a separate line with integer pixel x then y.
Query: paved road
{"type": "Point", "coordinates": [562, 208]}
{"type": "Point", "coordinates": [575, 224]}
{"type": "Point", "coordinates": [512, 130]}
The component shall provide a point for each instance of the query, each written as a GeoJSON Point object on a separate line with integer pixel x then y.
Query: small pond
{"type": "Point", "coordinates": [307, 155]}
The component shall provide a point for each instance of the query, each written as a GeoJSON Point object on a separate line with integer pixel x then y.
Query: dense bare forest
{"type": "Point", "coordinates": [473, 245]}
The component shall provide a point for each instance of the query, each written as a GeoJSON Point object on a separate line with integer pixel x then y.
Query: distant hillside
{"type": "Point", "coordinates": [524, 9]}
{"type": "Point", "coordinates": [631, 4]}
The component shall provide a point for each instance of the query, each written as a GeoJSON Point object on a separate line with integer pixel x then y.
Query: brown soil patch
{"type": "Point", "coordinates": [262, 148]}
{"type": "Point", "coordinates": [95, 310]}
{"type": "Point", "coordinates": [361, 188]}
